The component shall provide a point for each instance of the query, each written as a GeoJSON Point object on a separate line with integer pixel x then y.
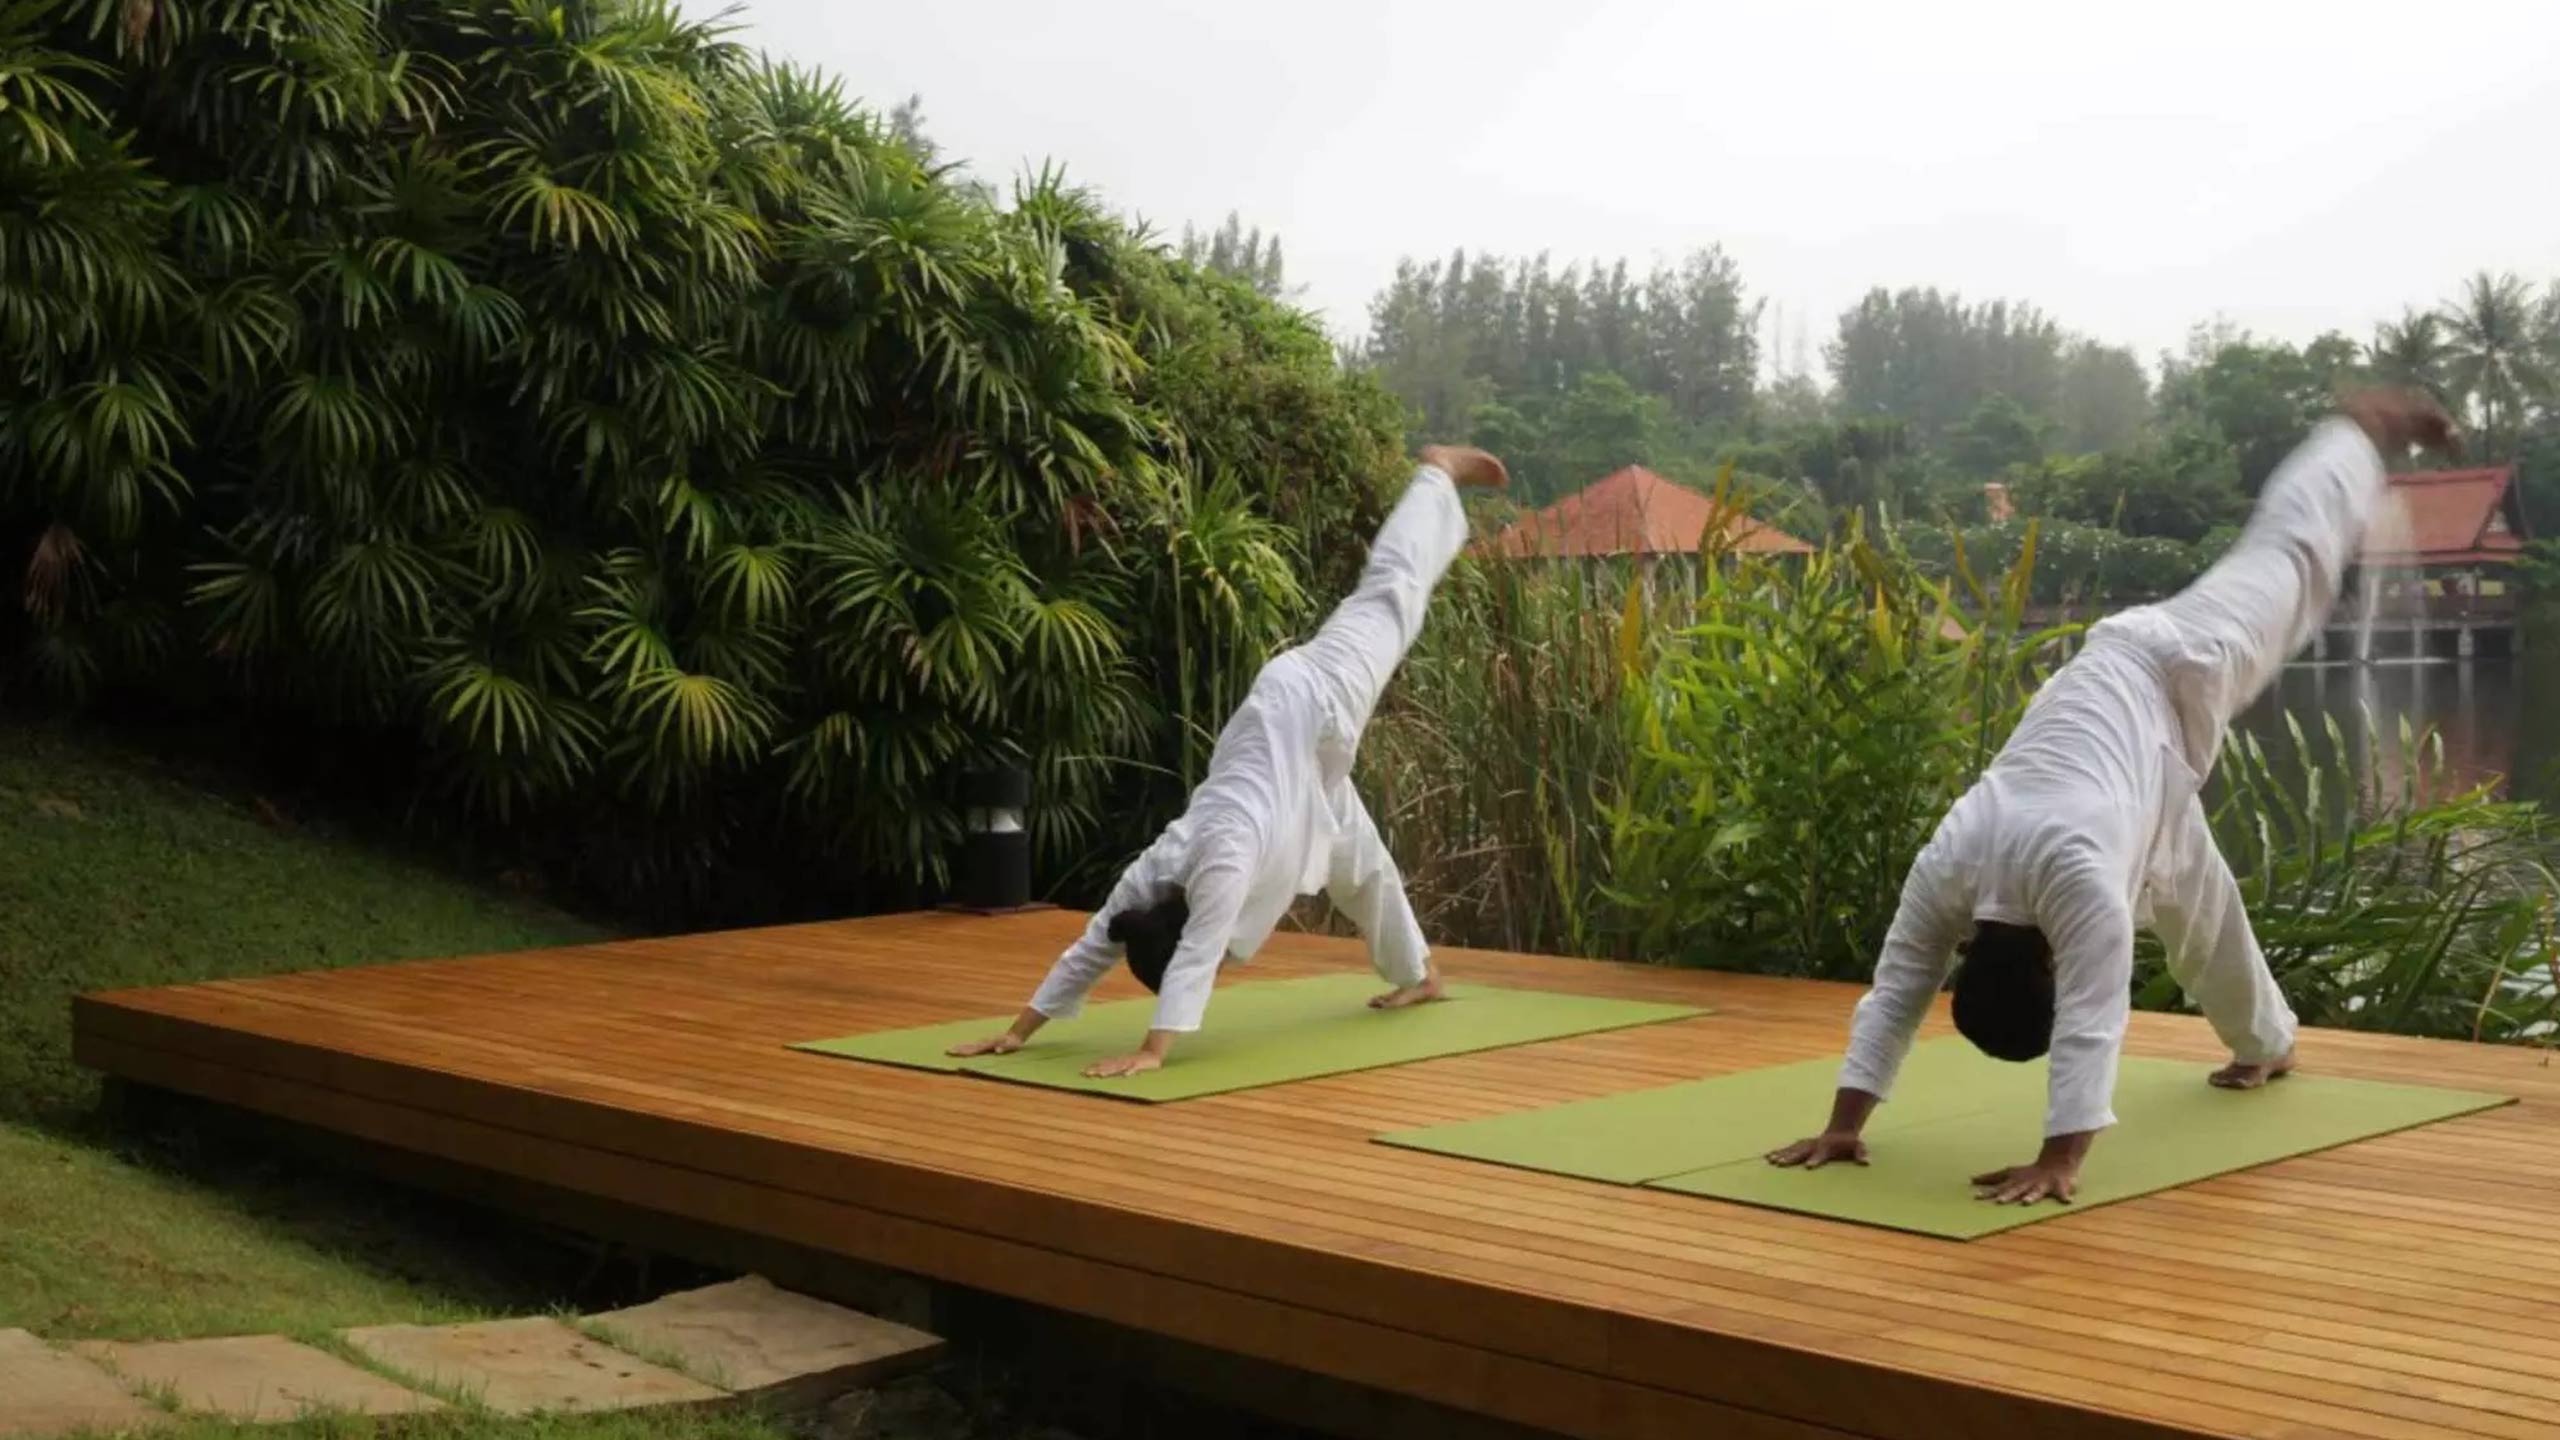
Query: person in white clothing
{"type": "Point", "coordinates": [2089, 823]}
{"type": "Point", "coordinates": [1276, 816]}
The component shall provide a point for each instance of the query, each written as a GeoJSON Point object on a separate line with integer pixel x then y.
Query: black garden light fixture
{"type": "Point", "coordinates": [995, 849]}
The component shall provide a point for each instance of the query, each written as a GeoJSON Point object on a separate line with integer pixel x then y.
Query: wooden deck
{"type": "Point", "coordinates": [2406, 1286]}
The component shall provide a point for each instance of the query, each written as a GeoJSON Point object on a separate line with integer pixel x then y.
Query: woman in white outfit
{"type": "Point", "coordinates": [1276, 816]}
{"type": "Point", "coordinates": [2089, 823]}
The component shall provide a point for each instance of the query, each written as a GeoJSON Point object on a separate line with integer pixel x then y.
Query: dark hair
{"type": "Point", "coordinates": [2004, 991]}
{"type": "Point", "coordinates": [1148, 936]}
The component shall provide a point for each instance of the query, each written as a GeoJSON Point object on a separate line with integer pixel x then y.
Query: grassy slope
{"type": "Point", "coordinates": [101, 1246]}
{"type": "Point", "coordinates": [120, 871]}
{"type": "Point", "coordinates": [641, 1425]}
{"type": "Point", "coordinates": [116, 869]}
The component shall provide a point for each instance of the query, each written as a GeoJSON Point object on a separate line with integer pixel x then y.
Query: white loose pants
{"type": "Point", "coordinates": [2236, 626]}
{"type": "Point", "coordinates": [1349, 660]}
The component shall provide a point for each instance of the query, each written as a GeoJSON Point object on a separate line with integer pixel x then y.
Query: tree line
{"type": "Point", "coordinates": [1926, 396]}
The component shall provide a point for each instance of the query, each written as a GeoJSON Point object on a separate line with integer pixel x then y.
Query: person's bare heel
{"type": "Point", "coordinates": [1408, 995]}
{"type": "Point", "coordinates": [2243, 1075]}
{"type": "Point", "coordinates": [1467, 466]}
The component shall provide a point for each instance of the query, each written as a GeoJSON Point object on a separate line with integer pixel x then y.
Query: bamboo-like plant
{"type": "Point", "coordinates": [689, 472]}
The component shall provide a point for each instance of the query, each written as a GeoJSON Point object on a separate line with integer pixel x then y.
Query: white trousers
{"type": "Point", "coordinates": [1349, 660]}
{"type": "Point", "coordinates": [2237, 625]}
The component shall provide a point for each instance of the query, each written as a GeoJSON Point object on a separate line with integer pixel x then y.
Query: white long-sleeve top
{"type": "Point", "coordinates": [1256, 835]}
{"type": "Point", "coordinates": [1276, 816]}
{"type": "Point", "coordinates": [2085, 819]}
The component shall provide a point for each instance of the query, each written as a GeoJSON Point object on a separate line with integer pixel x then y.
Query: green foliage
{"type": "Point", "coordinates": [1796, 738]}
{"type": "Point", "coordinates": [1757, 747]}
{"type": "Point", "coordinates": [2412, 350]}
{"type": "Point", "coordinates": [1231, 249]}
{"type": "Point", "coordinates": [1448, 337]}
{"type": "Point", "coordinates": [2540, 567]}
{"type": "Point", "coordinates": [2258, 397]}
{"type": "Point", "coordinates": [2538, 474]}
{"type": "Point", "coordinates": [2079, 565]}
{"type": "Point", "coordinates": [2183, 492]}
{"type": "Point", "coordinates": [127, 872]}
{"type": "Point", "coordinates": [1932, 359]}
{"type": "Point", "coordinates": [2499, 353]}
{"type": "Point", "coordinates": [641, 429]}
{"type": "Point", "coordinates": [2384, 899]}
{"type": "Point", "coordinates": [1486, 756]}
{"type": "Point", "coordinates": [2104, 404]}
{"type": "Point", "coordinates": [1860, 465]}
{"type": "Point", "coordinates": [1555, 445]}
{"type": "Point", "coordinates": [1998, 434]}
{"type": "Point", "coordinates": [1931, 396]}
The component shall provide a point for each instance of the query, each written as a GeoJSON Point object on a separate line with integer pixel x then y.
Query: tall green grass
{"type": "Point", "coordinates": [1729, 761]}
{"type": "Point", "coordinates": [1486, 763]}
{"type": "Point", "coordinates": [2386, 896]}
{"type": "Point", "coordinates": [1796, 740]}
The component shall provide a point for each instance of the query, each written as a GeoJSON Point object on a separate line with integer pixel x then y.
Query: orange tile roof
{"type": "Point", "coordinates": [1636, 512]}
{"type": "Point", "coordinates": [2455, 517]}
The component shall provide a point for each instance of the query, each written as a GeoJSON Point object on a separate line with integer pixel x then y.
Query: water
{"type": "Point", "coordinates": [2479, 706]}
{"type": "Point", "coordinates": [2387, 533]}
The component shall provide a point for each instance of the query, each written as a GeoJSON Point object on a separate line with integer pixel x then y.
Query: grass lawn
{"type": "Point", "coordinates": [122, 870]}
{"type": "Point", "coordinates": [105, 1246]}
{"type": "Point", "coordinates": [643, 1425]}
{"type": "Point", "coordinates": [119, 869]}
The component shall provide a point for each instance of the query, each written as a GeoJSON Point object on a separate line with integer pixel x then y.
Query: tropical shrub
{"type": "Point", "coordinates": [632, 435]}
{"type": "Point", "coordinates": [1796, 739]}
{"type": "Point", "coordinates": [2385, 897]}
{"type": "Point", "coordinates": [1722, 761]}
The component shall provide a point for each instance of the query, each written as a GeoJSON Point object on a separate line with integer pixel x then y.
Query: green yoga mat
{"type": "Point", "coordinates": [1958, 1114]}
{"type": "Point", "coordinates": [1650, 1134]}
{"type": "Point", "coordinates": [1261, 1033]}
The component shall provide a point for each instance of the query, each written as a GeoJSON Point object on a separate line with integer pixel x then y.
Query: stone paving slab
{"type": "Point", "coordinates": [44, 1391]}
{"type": "Point", "coordinates": [256, 1377]}
{"type": "Point", "coordinates": [756, 1338]}
{"type": "Point", "coordinates": [520, 1367]}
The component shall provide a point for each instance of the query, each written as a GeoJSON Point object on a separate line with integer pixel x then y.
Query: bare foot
{"type": "Point", "coordinates": [2395, 419]}
{"type": "Point", "coordinates": [2239, 1075]}
{"type": "Point", "coordinates": [1467, 465]}
{"type": "Point", "coordinates": [1408, 995]}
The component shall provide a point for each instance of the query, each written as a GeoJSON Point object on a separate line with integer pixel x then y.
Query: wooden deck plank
{"type": "Point", "coordinates": [2400, 1287]}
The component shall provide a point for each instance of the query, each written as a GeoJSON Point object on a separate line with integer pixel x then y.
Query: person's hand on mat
{"type": "Point", "coordinates": [1025, 1025]}
{"type": "Point", "coordinates": [1821, 1150]}
{"type": "Point", "coordinates": [1839, 1138]}
{"type": "Point", "coordinates": [1136, 1062]}
{"type": "Point", "coordinates": [2053, 1175]}
{"type": "Point", "coordinates": [1004, 1044]}
{"type": "Point", "coordinates": [2027, 1184]}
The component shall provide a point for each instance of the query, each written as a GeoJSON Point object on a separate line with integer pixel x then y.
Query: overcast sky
{"type": "Point", "coordinates": [2132, 167]}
